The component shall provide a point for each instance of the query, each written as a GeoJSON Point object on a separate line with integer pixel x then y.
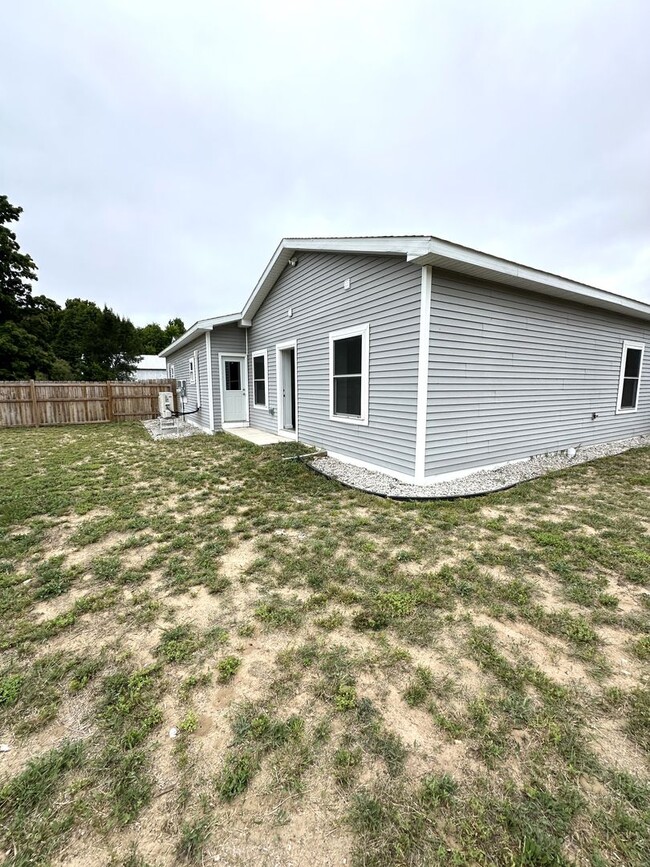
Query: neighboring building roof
{"type": "Point", "coordinates": [428, 250]}
{"type": "Point", "coordinates": [200, 327]}
{"type": "Point", "coordinates": [151, 362]}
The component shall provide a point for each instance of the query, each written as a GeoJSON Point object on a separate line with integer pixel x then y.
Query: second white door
{"type": "Point", "coordinates": [233, 389]}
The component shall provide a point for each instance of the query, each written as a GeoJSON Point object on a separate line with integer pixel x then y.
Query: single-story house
{"type": "Point", "coordinates": [419, 358]}
{"type": "Point", "coordinates": [150, 367]}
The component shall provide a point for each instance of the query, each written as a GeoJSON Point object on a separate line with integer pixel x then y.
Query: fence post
{"type": "Point", "coordinates": [32, 390]}
{"type": "Point", "coordinates": [109, 391]}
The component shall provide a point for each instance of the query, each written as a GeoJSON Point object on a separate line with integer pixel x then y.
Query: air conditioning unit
{"type": "Point", "coordinates": [165, 404]}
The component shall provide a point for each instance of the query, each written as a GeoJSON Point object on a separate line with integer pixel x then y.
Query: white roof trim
{"type": "Point", "coordinates": [199, 327]}
{"type": "Point", "coordinates": [427, 250]}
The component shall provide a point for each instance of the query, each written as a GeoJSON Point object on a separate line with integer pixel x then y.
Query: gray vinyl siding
{"type": "Point", "coordinates": [384, 293]}
{"type": "Point", "coordinates": [225, 339]}
{"type": "Point", "coordinates": [181, 362]}
{"type": "Point", "coordinates": [514, 374]}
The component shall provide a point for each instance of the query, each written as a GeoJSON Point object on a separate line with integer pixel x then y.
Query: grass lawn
{"type": "Point", "coordinates": [351, 680]}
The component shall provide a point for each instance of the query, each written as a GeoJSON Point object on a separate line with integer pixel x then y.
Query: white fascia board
{"type": "Point", "coordinates": [406, 245]}
{"type": "Point", "coordinates": [199, 327]}
{"type": "Point", "coordinates": [273, 268]}
{"type": "Point", "coordinates": [191, 334]}
{"type": "Point", "coordinates": [444, 254]}
{"type": "Point", "coordinates": [427, 250]}
{"type": "Point", "coordinates": [397, 246]}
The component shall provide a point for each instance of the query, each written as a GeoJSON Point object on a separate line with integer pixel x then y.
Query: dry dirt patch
{"type": "Point", "coordinates": [548, 654]}
{"type": "Point", "coordinates": [73, 722]}
{"type": "Point", "coordinates": [614, 748]}
{"type": "Point", "coordinates": [237, 560]}
{"type": "Point", "coordinates": [84, 556]}
{"type": "Point", "coordinates": [57, 605]}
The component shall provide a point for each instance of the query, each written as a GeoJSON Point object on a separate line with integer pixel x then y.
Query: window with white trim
{"type": "Point", "coordinates": [171, 372]}
{"type": "Point", "coordinates": [260, 378]}
{"type": "Point", "coordinates": [349, 375]}
{"type": "Point", "coordinates": [630, 379]}
{"type": "Point", "coordinates": [192, 370]}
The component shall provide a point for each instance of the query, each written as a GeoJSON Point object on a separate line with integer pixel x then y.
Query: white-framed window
{"type": "Point", "coordinates": [260, 379]}
{"type": "Point", "coordinates": [349, 364]}
{"type": "Point", "coordinates": [171, 371]}
{"type": "Point", "coordinates": [193, 369]}
{"type": "Point", "coordinates": [630, 379]}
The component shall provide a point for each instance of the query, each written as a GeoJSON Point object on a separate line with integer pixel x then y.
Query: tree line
{"type": "Point", "coordinates": [39, 339]}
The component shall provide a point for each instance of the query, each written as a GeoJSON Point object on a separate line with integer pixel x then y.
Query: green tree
{"type": "Point", "coordinates": [22, 356]}
{"type": "Point", "coordinates": [173, 331]}
{"type": "Point", "coordinates": [26, 323]}
{"type": "Point", "coordinates": [152, 339]}
{"type": "Point", "coordinates": [38, 340]}
{"type": "Point", "coordinates": [61, 371]}
{"type": "Point", "coordinates": [41, 318]}
{"type": "Point", "coordinates": [118, 345]}
{"type": "Point", "coordinates": [97, 344]}
{"type": "Point", "coordinates": [17, 270]}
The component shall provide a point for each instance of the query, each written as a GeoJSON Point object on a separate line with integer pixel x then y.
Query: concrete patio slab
{"type": "Point", "coordinates": [257, 436]}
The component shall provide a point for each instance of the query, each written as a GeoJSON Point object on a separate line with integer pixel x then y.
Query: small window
{"type": "Point", "coordinates": [259, 378]}
{"type": "Point", "coordinates": [349, 375]}
{"type": "Point", "coordinates": [233, 376]}
{"type": "Point", "coordinates": [628, 389]}
{"type": "Point", "coordinates": [171, 372]}
{"type": "Point", "coordinates": [192, 370]}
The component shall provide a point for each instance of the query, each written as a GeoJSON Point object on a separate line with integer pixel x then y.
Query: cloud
{"type": "Point", "coordinates": [161, 150]}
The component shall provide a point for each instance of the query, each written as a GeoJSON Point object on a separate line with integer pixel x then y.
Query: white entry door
{"type": "Point", "coordinates": [233, 388]}
{"type": "Point", "coordinates": [285, 358]}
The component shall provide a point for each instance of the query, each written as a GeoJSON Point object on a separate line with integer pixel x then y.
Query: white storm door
{"type": "Point", "coordinates": [233, 388]}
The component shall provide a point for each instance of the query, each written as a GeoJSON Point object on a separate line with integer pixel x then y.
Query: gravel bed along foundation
{"type": "Point", "coordinates": [169, 432]}
{"type": "Point", "coordinates": [481, 482]}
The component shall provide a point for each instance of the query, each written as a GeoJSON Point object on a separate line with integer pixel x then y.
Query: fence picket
{"type": "Point", "coordinates": [35, 404]}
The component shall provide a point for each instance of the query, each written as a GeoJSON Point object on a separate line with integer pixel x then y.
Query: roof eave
{"type": "Point", "coordinates": [410, 245]}
{"type": "Point", "coordinates": [428, 250]}
{"type": "Point", "coordinates": [199, 327]}
{"type": "Point", "coordinates": [483, 266]}
{"type": "Point", "coordinates": [191, 334]}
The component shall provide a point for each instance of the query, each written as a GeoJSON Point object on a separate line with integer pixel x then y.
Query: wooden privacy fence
{"type": "Point", "coordinates": [32, 404]}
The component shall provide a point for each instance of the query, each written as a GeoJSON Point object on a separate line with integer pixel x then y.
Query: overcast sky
{"type": "Point", "coordinates": [161, 150]}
